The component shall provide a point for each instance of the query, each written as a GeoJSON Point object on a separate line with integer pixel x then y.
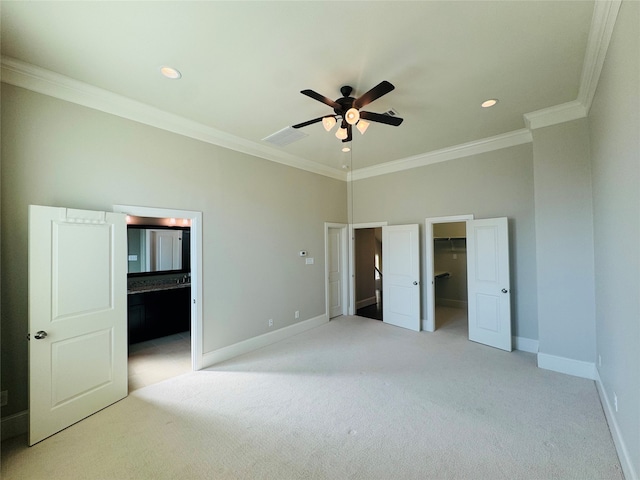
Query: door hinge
{"type": "Point", "coordinates": [28, 336]}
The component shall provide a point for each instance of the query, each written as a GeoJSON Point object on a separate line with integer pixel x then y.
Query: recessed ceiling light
{"type": "Point", "coordinates": [489, 103]}
{"type": "Point", "coordinates": [346, 149]}
{"type": "Point", "coordinates": [170, 72]}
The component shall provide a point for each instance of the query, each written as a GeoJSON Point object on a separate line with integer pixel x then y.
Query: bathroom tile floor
{"type": "Point", "coordinates": [159, 359]}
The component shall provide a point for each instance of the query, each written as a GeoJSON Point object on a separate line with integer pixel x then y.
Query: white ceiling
{"type": "Point", "coordinates": [244, 63]}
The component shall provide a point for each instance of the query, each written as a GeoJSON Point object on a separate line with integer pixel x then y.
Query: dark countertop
{"type": "Point", "coordinates": [156, 288]}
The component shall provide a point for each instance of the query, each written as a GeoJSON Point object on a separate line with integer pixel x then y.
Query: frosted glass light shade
{"type": "Point", "coordinates": [341, 133]}
{"type": "Point", "coordinates": [328, 123]}
{"type": "Point", "coordinates": [352, 116]}
{"type": "Point", "coordinates": [362, 126]}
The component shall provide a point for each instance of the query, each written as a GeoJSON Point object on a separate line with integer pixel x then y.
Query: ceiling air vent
{"type": "Point", "coordinates": [285, 136]}
{"type": "Point", "coordinates": [392, 112]}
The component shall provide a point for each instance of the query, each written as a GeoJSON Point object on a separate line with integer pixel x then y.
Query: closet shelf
{"type": "Point", "coordinates": [437, 275]}
{"type": "Point", "coordinates": [450, 238]}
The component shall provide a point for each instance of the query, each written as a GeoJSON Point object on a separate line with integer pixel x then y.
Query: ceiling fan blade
{"type": "Point", "coordinates": [380, 118]}
{"type": "Point", "coordinates": [321, 98]}
{"type": "Point", "coordinates": [376, 92]}
{"type": "Point", "coordinates": [310, 122]}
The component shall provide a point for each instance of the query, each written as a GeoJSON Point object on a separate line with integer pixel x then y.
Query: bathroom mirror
{"type": "Point", "coordinates": [153, 249]}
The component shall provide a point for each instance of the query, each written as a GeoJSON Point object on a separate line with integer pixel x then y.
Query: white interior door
{"type": "Point", "coordinates": [401, 285]}
{"type": "Point", "coordinates": [77, 316]}
{"type": "Point", "coordinates": [335, 272]}
{"type": "Point", "coordinates": [488, 282]}
{"type": "Point", "coordinates": [167, 249]}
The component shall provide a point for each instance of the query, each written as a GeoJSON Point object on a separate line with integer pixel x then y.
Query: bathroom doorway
{"type": "Point", "coordinates": [170, 343]}
{"type": "Point", "coordinates": [158, 298]}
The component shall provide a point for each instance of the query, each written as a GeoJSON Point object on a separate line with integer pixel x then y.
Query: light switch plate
{"type": "Point", "coordinates": [309, 261]}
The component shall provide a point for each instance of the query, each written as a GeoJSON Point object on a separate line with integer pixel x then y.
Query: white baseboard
{"type": "Point", "coordinates": [14, 425]}
{"type": "Point", "coordinates": [366, 302]}
{"type": "Point", "coordinates": [246, 346]}
{"type": "Point", "coordinates": [525, 344]}
{"type": "Point", "coordinates": [449, 302]}
{"type": "Point", "coordinates": [618, 441]}
{"type": "Point", "coordinates": [577, 368]}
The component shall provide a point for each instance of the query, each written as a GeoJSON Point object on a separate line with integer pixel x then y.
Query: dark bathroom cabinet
{"type": "Point", "coordinates": [158, 313]}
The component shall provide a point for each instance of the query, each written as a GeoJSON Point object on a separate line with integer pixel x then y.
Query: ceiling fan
{"type": "Point", "coordinates": [348, 109]}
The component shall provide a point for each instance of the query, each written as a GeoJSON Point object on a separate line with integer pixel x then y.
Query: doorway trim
{"type": "Point", "coordinates": [352, 260]}
{"type": "Point", "coordinates": [343, 267]}
{"type": "Point", "coordinates": [196, 267]}
{"type": "Point", "coordinates": [430, 317]}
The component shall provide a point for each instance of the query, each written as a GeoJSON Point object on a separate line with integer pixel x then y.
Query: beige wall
{"type": "Point", "coordinates": [495, 184]}
{"type": "Point", "coordinates": [614, 127]}
{"type": "Point", "coordinates": [564, 239]}
{"type": "Point", "coordinates": [257, 215]}
{"type": "Point", "coordinates": [452, 229]}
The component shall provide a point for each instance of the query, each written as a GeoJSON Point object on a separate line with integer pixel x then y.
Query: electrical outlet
{"type": "Point", "coordinates": [297, 314]}
{"type": "Point", "coordinates": [615, 401]}
{"type": "Point", "coordinates": [4, 398]}
{"type": "Point", "coordinates": [271, 322]}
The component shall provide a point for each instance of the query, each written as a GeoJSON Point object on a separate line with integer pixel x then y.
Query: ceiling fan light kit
{"type": "Point", "coordinates": [328, 123]}
{"type": "Point", "coordinates": [362, 126]}
{"type": "Point", "coordinates": [352, 117]}
{"type": "Point", "coordinates": [348, 108]}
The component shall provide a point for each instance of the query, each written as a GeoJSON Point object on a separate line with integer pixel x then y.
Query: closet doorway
{"type": "Point", "coordinates": [446, 267]}
{"type": "Point", "coordinates": [488, 277]}
{"type": "Point", "coordinates": [450, 277]}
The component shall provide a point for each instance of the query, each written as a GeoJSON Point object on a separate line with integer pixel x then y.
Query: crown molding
{"type": "Point", "coordinates": [603, 21]}
{"type": "Point", "coordinates": [565, 112]}
{"type": "Point", "coordinates": [510, 139]}
{"type": "Point", "coordinates": [43, 81]}
{"type": "Point", "coordinates": [40, 80]}
{"type": "Point", "coordinates": [605, 13]}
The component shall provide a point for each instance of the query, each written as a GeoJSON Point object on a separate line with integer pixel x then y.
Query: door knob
{"type": "Point", "coordinates": [40, 335]}
{"type": "Point", "coordinates": [415, 283]}
{"type": "Point", "coordinates": [504, 290]}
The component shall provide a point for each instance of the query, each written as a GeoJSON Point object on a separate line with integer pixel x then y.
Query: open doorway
{"type": "Point", "coordinates": [186, 346]}
{"type": "Point", "coordinates": [158, 299]}
{"type": "Point", "coordinates": [368, 272]}
{"type": "Point", "coordinates": [450, 277]}
{"type": "Point", "coordinates": [486, 247]}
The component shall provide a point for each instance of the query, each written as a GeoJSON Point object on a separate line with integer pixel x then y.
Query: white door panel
{"type": "Point", "coordinates": [489, 282]}
{"type": "Point", "coordinates": [166, 249]}
{"type": "Point", "coordinates": [335, 273]}
{"type": "Point", "coordinates": [401, 270]}
{"type": "Point", "coordinates": [78, 296]}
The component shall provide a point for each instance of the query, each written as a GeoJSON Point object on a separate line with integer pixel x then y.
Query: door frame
{"type": "Point", "coordinates": [343, 267]}
{"type": "Point", "coordinates": [196, 267]}
{"type": "Point", "coordinates": [352, 260]}
{"type": "Point", "coordinates": [430, 310]}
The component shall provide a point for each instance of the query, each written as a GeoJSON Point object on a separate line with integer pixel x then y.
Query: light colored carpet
{"type": "Point", "coordinates": [352, 399]}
